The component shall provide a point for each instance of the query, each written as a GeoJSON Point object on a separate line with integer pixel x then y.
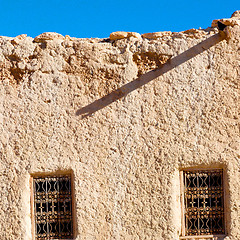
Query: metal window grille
{"type": "Point", "coordinates": [53, 207]}
{"type": "Point", "coordinates": [203, 202]}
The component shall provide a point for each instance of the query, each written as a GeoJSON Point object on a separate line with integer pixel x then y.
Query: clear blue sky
{"type": "Point", "coordinates": [98, 18]}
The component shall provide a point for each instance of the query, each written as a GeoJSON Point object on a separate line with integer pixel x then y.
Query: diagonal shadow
{"type": "Point", "coordinates": [149, 76]}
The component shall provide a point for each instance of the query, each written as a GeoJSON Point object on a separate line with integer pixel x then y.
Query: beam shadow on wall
{"type": "Point", "coordinates": [149, 76]}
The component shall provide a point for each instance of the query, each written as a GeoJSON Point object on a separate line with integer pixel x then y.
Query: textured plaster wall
{"type": "Point", "coordinates": [125, 116]}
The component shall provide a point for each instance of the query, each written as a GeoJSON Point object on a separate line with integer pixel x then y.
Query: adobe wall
{"type": "Point", "coordinates": [125, 115]}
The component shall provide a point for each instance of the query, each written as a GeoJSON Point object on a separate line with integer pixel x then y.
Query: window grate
{"type": "Point", "coordinates": [53, 207]}
{"type": "Point", "coordinates": [203, 200]}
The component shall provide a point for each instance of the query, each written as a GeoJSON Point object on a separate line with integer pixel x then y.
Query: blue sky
{"type": "Point", "coordinates": [98, 18]}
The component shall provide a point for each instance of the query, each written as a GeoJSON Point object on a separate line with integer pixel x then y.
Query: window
{"type": "Point", "coordinates": [203, 204]}
{"type": "Point", "coordinates": [52, 206]}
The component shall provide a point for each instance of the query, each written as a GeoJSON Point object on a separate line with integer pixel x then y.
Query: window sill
{"type": "Point", "coordinates": [203, 237]}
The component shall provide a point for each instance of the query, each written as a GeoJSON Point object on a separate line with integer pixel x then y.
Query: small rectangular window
{"type": "Point", "coordinates": [53, 207]}
{"type": "Point", "coordinates": [203, 203]}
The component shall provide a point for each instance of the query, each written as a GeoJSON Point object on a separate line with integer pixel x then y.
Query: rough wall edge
{"type": "Point", "coordinates": [230, 22]}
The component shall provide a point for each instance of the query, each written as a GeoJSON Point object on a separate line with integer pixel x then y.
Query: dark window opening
{"type": "Point", "coordinates": [203, 202]}
{"type": "Point", "coordinates": [53, 207]}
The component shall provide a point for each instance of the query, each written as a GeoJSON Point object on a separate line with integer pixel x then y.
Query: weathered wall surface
{"type": "Point", "coordinates": [94, 106]}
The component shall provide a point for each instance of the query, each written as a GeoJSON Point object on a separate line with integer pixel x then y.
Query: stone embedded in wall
{"type": "Point", "coordinates": [48, 36]}
{"type": "Point", "coordinates": [121, 35]}
{"type": "Point", "coordinates": [19, 38]}
{"type": "Point", "coordinates": [134, 34]}
{"type": "Point", "coordinates": [68, 38]}
{"type": "Point", "coordinates": [156, 35]}
{"type": "Point", "coordinates": [118, 35]}
{"type": "Point", "coordinates": [195, 33]}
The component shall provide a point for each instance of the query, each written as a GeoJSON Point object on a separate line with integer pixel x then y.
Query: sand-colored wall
{"type": "Point", "coordinates": [125, 116]}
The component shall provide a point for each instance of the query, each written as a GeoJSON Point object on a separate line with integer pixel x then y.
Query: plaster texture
{"type": "Point", "coordinates": [125, 116]}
